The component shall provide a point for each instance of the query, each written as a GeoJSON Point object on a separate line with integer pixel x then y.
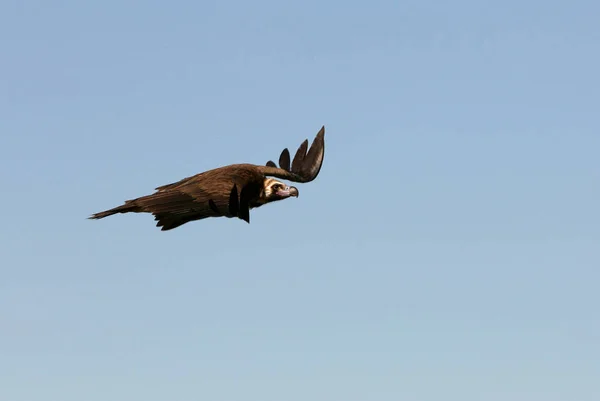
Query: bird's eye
{"type": "Point", "coordinates": [276, 187]}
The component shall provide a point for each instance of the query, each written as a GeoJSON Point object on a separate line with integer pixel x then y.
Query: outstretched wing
{"type": "Point", "coordinates": [173, 207]}
{"type": "Point", "coordinates": [225, 192]}
{"type": "Point", "coordinates": [221, 192]}
{"type": "Point", "coordinates": [306, 165]}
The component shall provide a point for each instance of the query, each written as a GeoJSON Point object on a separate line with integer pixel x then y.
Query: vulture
{"type": "Point", "coordinates": [229, 191]}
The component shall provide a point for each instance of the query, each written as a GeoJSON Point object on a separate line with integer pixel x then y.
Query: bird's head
{"type": "Point", "coordinates": [274, 190]}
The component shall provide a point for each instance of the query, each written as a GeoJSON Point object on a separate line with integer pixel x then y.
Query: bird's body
{"type": "Point", "coordinates": [229, 191]}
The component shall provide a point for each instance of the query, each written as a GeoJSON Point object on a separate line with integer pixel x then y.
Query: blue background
{"type": "Point", "coordinates": [447, 251]}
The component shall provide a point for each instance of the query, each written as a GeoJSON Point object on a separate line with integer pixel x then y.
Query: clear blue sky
{"type": "Point", "coordinates": [449, 249]}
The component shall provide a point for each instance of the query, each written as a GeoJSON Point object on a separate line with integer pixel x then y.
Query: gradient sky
{"type": "Point", "coordinates": [449, 249]}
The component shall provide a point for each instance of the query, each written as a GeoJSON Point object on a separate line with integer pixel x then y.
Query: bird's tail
{"type": "Point", "coordinates": [129, 206]}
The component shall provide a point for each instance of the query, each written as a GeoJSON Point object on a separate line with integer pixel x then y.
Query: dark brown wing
{"type": "Point", "coordinates": [223, 192]}
{"type": "Point", "coordinates": [175, 184]}
{"type": "Point", "coordinates": [305, 167]}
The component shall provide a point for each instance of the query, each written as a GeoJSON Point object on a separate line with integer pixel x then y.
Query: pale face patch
{"type": "Point", "coordinates": [276, 190]}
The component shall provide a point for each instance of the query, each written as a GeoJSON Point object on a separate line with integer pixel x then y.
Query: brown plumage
{"type": "Point", "coordinates": [230, 191]}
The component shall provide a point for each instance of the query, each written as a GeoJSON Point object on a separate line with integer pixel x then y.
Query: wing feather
{"type": "Point", "coordinates": [284, 159]}
{"type": "Point", "coordinates": [297, 164]}
{"type": "Point", "coordinates": [305, 166]}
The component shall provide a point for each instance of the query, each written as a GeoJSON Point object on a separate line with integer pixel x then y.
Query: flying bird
{"type": "Point", "coordinates": [230, 191]}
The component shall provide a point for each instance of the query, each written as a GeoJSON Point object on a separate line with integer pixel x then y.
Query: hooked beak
{"type": "Point", "coordinates": [288, 191]}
